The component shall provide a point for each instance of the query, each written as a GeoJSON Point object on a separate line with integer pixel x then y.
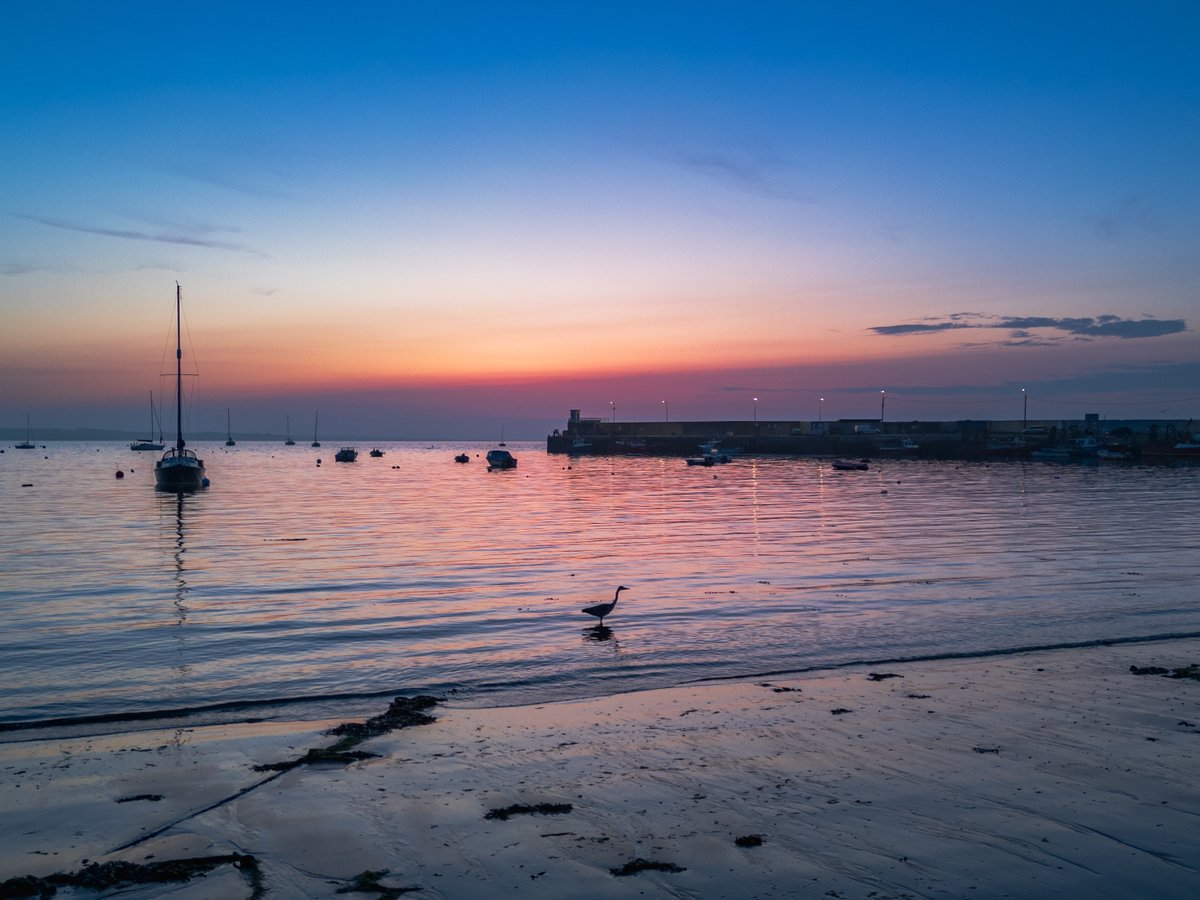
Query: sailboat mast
{"type": "Point", "coordinates": [178, 371]}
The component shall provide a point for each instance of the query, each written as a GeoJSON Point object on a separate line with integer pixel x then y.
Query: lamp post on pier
{"type": "Point", "coordinates": [613, 404]}
{"type": "Point", "coordinates": [821, 410]}
{"type": "Point", "coordinates": [666, 411]}
{"type": "Point", "coordinates": [882, 401]}
{"type": "Point", "coordinates": [755, 410]}
{"type": "Point", "coordinates": [1024, 409]}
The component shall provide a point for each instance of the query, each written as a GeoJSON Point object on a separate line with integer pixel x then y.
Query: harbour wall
{"type": "Point", "coordinates": [962, 439]}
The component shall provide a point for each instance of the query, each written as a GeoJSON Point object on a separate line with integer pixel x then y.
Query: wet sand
{"type": "Point", "coordinates": [1045, 774]}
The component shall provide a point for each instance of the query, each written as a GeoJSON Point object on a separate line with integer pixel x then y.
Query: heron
{"type": "Point", "coordinates": [600, 610]}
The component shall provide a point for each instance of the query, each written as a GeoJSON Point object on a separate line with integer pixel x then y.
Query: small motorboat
{"type": "Point", "coordinates": [346, 454]}
{"type": "Point", "coordinates": [462, 458]}
{"type": "Point", "coordinates": [850, 465]}
{"type": "Point", "coordinates": [501, 459]}
{"type": "Point", "coordinates": [377, 453]}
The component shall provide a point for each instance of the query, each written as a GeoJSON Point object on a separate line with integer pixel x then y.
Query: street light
{"type": "Point", "coordinates": [882, 401]}
{"type": "Point", "coordinates": [613, 404]}
{"type": "Point", "coordinates": [821, 410]}
{"type": "Point", "coordinates": [1024, 410]}
{"type": "Point", "coordinates": [666, 411]}
{"type": "Point", "coordinates": [756, 410]}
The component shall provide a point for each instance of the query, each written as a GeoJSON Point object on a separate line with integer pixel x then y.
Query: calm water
{"type": "Point", "coordinates": [291, 581]}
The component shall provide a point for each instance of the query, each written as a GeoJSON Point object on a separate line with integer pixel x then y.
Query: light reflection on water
{"type": "Point", "coordinates": [411, 572]}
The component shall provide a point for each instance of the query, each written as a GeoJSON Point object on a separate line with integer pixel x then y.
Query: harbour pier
{"type": "Point", "coordinates": [1117, 439]}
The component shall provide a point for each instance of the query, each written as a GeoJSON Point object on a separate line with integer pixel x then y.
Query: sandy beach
{"type": "Point", "coordinates": [1043, 774]}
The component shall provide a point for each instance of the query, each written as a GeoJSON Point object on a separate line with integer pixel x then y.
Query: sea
{"type": "Point", "coordinates": [296, 587]}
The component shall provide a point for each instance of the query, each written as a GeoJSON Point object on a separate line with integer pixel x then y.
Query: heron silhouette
{"type": "Point", "coordinates": [600, 610]}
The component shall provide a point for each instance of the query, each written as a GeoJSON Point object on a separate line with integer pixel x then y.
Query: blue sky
{"type": "Point", "coordinates": [443, 213]}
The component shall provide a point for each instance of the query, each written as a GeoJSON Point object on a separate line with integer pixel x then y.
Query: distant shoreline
{"type": "Point", "coordinates": [53, 435]}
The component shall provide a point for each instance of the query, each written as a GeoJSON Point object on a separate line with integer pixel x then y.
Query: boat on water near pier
{"type": "Point", "coordinates": [346, 454]}
{"type": "Point", "coordinates": [500, 459]}
{"type": "Point", "coordinates": [851, 465]}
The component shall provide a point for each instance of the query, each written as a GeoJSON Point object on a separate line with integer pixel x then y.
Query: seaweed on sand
{"type": "Point", "coordinates": [1191, 672]}
{"type": "Point", "coordinates": [645, 865]}
{"type": "Point", "coordinates": [524, 809]}
{"type": "Point", "coordinates": [404, 712]}
{"type": "Point", "coordinates": [368, 882]}
{"type": "Point", "coordinates": [118, 874]}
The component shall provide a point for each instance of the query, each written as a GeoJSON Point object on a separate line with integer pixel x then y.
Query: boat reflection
{"type": "Point", "coordinates": [180, 577]}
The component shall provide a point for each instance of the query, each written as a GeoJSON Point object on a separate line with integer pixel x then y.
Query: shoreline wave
{"type": "Point", "coordinates": [155, 718]}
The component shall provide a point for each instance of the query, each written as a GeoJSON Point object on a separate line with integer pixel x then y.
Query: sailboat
{"type": "Point", "coordinates": [289, 442]}
{"type": "Point", "coordinates": [316, 418]}
{"type": "Point", "coordinates": [26, 444]}
{"type": "Point", "coordinates": [179, 469]}
{"type": "Point", "coordinates": [149, 443]}
{"type": "Point", "coordinates": [230, 442]}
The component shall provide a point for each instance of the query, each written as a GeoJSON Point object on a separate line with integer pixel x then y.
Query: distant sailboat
{"type": "Point", "coordinates": [289, 442]}
{"type": "Point", "coordinates": [316, 418]}
{"type": "Point", "coordinates": [149, 443]}
{"type": "Point", "coordinates": [26, 444]}
{"type": "Point", "coordinates": [179, 470]}
{"type": "Point", "coordinates": [229, 442]}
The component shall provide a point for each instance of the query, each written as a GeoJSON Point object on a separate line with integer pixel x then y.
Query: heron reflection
{"type": "Point", "coordinates": [599, 634]}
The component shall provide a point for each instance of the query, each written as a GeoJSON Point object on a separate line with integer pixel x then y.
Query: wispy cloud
{"type": "Point", "coordinates": [1030, 330]}
{"type": "Point", "coordinates": [186, 240]}
{"type": "Point", "coordinates": [18, 269]}
{"type": "Point", "coordinates": [761, 174]}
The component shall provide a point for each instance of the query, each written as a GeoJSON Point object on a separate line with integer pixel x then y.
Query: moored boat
{"type": "Point", "coordinates": [850, 465]}
{"type": "Point", "coordinates": [1051, 454]}
{"type": "Point", "coordinates": [26, 444]}
{"type": "Point", "coordinates": [149, 443]}
{"type": "Point", "coordinates": [346, 454]}
{"type": "Point", "coordinates": [180, 469]}
{"type": "Point", "coordinates": [500, 459]}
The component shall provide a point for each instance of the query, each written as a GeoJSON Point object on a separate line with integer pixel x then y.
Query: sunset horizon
{"type": "Point", "coordinates": [433, 226]}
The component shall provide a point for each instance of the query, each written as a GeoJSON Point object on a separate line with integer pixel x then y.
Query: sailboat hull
{"type": "Point", "coordinates": [179, 471]}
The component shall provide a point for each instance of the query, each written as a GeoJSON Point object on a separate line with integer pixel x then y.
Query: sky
{"type": "Point", "coordinates": [435, 220]}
